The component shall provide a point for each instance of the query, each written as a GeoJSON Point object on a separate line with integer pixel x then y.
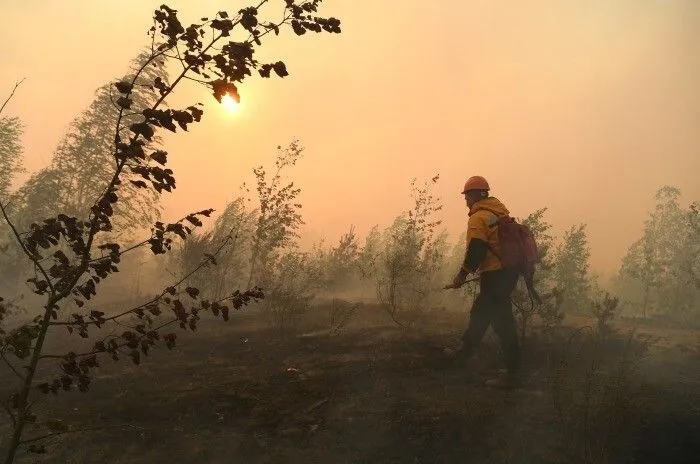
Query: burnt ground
{"type": "Point", "coordinates": [375, 393]}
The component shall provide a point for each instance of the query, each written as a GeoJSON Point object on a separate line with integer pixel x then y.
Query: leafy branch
{"type": "Point", "coordinates": [98, 319]}
{"type": "Point", "coordinates": [69, 268]}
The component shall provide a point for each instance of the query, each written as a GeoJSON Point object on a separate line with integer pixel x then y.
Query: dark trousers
{"type": "Point", "coordinates": [492, 306]}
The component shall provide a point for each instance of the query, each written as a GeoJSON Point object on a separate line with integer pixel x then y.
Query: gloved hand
{"type": "Point", "coordinates": [459, 279]}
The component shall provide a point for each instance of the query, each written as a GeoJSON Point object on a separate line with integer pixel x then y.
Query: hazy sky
{"type": "Point", "coordinates": [586, 106]}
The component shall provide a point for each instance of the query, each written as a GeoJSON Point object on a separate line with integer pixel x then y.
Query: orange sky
{"type": "Point", "coordinates": [583, 106]}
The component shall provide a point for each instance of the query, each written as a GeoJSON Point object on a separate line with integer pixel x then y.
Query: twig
{"type": "Point", "coordinates": [33, 258]}
{"type": "Point", "coordinates": [141, 337]}
{"type": "Point", "coordinates": [122, 252]}
{"type": "Point", "coordinates": [116, 347]}
{"type": "Point", "coordinates": [11, 95]}
{"type": "Point", "coordinates": [9, 413]}
{"type": "Point", "coordinates": [179, 57]}
{"type": "Point", "coordinates": [157, 298]}
{"type": "Point", "coordinates": [86, 429]}
{"type": "Point", "coordinates": [194, 79]}
{"type": "Point", "coordinates": [9, 364]}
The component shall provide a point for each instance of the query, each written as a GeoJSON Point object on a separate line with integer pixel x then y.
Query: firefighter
{"type": "Point", "coordinates": [492, 306]}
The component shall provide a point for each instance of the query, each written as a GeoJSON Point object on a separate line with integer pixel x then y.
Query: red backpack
{"type": "Point", "coordinates": [518, 250]}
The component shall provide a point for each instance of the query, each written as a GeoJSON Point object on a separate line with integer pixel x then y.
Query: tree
{"type": "Point", "coordinates": [690, 259]}
{"type": "Point", "coordinates": [571, 269]}
{"type": "Point", "coordinates": [10, 165]}
{"type": "Point", "coordinates": [637, 274]}
{"type": "Point", "coordinates": [71, 256]}
{"type": "Point", "coordinates": [541, 230]}
{"type": "Point", "coordinates": [661, 244]}
{"type": "Point", "coordinates": [687, 265]}
{"type": "Point", "coordinates": [260, 244]}
{"type": "Point", "coordinates": [235, 225]}
{"type": "Point", "coordinates": [260, 233]}
{"type": "Point", "coordinates": [550, 309]}
{"type": "Point", "coordinates": [290, 286]}
{"type": "Point", "coordinates": [659, 265]}
{"type": "Point", "coordinates": [367, 259]}
{"type": "Point", "coordinates": [84, 164]}
{"type": "Point", "coordinates": [234, 230]}
{"type": "Point", "coordinates": [278, 219]}
{"type": "Point", "coordinates": [679, 290]}
{"type": "Point", "coordinates": [340, 263]}
{"type": "Point", "coordinates": [605, 310]}
{"type": "Point", "coordinates": [10, 152]}
{"type": "Point", "coordinates": [290, 276]}
{"type": "Point", "coordinates": [404, 262]}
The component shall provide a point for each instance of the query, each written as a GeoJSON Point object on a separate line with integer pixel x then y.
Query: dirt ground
{"type": "Point", "coordinates": [239, 393]}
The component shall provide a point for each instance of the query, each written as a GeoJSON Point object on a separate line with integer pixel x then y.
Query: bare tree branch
{"type": "Point", "coordinates": [202, 264]}
{"type": "Point", "coordinates": [10, 365]}
{"type": "Point", "coordinates": [11, 95]}
{"type": "Point", "coordinates": [33, 258]}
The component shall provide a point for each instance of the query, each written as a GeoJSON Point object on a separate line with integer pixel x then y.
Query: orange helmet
{"type": "Point", "coordinates": [476, 183]}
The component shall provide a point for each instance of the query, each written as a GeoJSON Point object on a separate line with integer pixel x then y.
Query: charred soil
{"type": "Point", "coordinates": [375, 393]}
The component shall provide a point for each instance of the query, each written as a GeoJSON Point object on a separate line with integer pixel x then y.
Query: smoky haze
{"type": "Point", "coordinates": [583, 107]}
{"type": "Point", "coordinates": [212, 334]}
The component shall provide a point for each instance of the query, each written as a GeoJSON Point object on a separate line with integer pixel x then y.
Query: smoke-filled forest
{"type": "Point", "coordinates": [231, 334]}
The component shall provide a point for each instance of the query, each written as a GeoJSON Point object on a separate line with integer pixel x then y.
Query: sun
{"type": "Point", "coordinates": [229, 103]}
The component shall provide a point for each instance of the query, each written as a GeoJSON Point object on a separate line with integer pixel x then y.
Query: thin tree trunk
{"type": "Point", "coordinates": [22, 403]}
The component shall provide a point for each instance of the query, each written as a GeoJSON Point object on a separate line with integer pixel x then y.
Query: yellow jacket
{"type": "Point", "coordinates": [482, 217]}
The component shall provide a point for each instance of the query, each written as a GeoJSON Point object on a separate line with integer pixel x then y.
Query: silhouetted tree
{"type": "Point", "coordinates": [72, 255]}
{"type": "Point", "coordinates": [83, 162]}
